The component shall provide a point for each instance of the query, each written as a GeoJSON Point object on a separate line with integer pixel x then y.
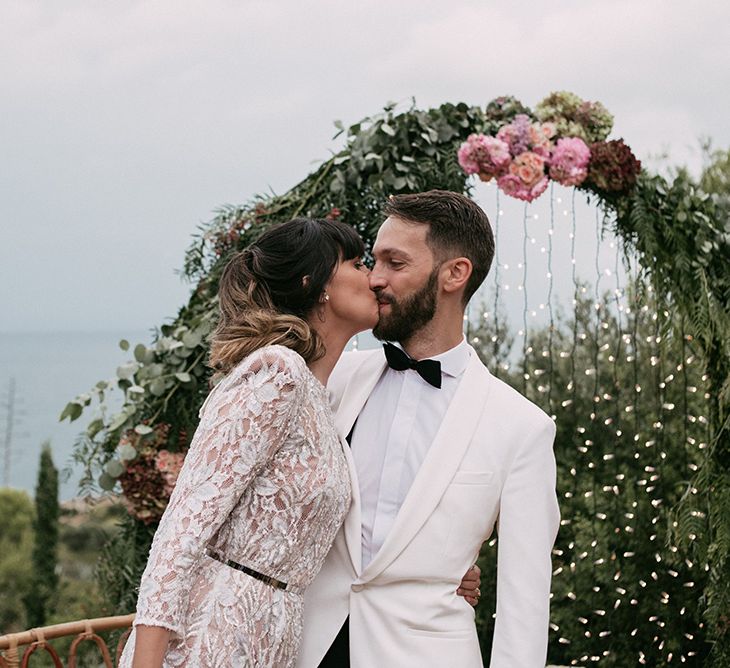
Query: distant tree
{"type": "Point", "coordinates": [40, 599]}
{"type": "Point", "coordinates": [715, 179]}
{"type": "Point", "coordinates": [16, 544]}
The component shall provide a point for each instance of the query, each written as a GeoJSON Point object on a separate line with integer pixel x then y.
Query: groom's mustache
{"type": "Point", "coordinates": [384, 298]}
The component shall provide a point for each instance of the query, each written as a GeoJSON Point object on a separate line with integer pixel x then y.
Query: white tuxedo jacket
{"type": "Point", "coordinates": [490, 463]}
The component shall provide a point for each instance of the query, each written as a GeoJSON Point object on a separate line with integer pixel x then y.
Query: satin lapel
{"type": "Point", "coordinates": [439, 466]}
{"type": "Point", "coordinates": [354, 396]}
{"type": "Point", "coordinates": [356, 392]}
{"type": "Point", "coordinates": [353, 519]}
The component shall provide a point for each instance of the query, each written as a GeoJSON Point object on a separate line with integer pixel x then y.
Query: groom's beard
{"type": "Point", "coordinates": [409, 314]}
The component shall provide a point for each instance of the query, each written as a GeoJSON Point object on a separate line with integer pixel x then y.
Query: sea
{"type": "Point", "coordinates": [40, 372]}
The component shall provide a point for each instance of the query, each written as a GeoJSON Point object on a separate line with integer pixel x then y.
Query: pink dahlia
{"type": "Point", "coordinates": [486, 156]}
{"type": "Point", "coordinates": [569, 161]}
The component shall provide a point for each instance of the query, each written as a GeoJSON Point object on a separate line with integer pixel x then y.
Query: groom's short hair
{"type": "Point", "coordinates": [457, 227]}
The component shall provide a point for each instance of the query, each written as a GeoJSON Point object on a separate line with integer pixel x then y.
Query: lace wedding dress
{"type": "Point", "coordinates": [264, 484]}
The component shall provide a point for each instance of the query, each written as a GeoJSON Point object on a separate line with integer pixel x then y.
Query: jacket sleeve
{"type": "Point", "coordinates": [528, 523]}
{"type": "Point", "coordinates": [244, 421]}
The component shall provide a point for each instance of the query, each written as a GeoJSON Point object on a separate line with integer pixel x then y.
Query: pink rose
{"type": "Point", "coordinates": [529, 167]}
{"type": "Point", "coordinates": [513, 186]}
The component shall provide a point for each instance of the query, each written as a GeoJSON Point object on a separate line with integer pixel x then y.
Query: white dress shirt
{"type": "Point", "coordinates": [392, 436]}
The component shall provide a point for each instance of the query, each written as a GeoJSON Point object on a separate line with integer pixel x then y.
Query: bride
{"type": "Point", "coordinates": [265, 485]}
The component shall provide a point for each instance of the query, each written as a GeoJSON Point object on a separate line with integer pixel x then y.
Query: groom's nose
{"type": "Point", "coordinates": [376, 279]}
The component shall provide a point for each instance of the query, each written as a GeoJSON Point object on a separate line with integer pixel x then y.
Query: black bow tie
{"type": "Point", "coordinates": [429, 370]}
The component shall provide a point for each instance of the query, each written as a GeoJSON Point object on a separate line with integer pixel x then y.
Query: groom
{"type": "Point", "coordinates": [441, 453]}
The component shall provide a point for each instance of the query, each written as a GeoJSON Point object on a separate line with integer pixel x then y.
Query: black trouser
{"type": "Point", "coordinates": [338, 655]}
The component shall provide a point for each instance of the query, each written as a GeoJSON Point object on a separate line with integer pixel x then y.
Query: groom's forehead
{"type": "Point", "coordinates": [399, 234]}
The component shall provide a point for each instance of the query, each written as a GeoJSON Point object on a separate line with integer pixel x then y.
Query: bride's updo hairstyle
{"type": "Point", "coordinates": [267, 291]}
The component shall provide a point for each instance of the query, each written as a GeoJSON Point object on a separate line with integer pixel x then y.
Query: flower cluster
{"type": "Point", "coordinates": [144, 489]}
{"type": "Point", "coordinates": [150, 470]}
{"type": "Point", "coordinates": [169, 465]}
{"type": "Point", "coordinates": [569, 161]}
{"type": "Point", "coordinates": [516, 157]}
{"type": "Point", "coordinates": [574, 117]}
{"type": "Point", "coordinates": [486, 156]}
{"type": "Point", "coordinates": [502, 110]}
{"type": "Point", "coordinates": [524, 153]}
{"type": "Point", "coordinates": [613, 167]}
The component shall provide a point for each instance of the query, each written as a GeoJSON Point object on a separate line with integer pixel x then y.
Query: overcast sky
{"type": "Point", "coordinates": [123, 125]}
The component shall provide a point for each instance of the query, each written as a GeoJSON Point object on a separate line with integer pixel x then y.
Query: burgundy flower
{"type": "Point", "coordinates": [613, 167]}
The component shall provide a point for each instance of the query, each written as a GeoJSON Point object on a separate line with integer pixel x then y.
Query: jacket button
{"type": "Point", "coordinates": [357, 587]}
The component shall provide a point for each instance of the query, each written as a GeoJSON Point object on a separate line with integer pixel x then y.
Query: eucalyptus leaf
{"type": "Point", "coordinates": [140, 351]}
{"type": "Point", "coordinates": [124, 344]}
{"type": "Point", "coordinates": [155, 370]}
{"type": "Point", "coordinates": [126, 371]}
{"type": "Point", "coordinates": [72, 411]}
{"type": "Point", "coordinates": [126, 452]}
{"type": "Point", "coordinates": [143, 429]}
{"type": "Point", "coordinates": [106, 482]}
{"type": "Point", "coordinates": [118, 420]}
{"type": "Point", "coordinates": [158, 387]}
{"type": "Point", "coordinates": [192, 339]}
{"type": "Point", "coordinates": [94, 427]}
{"type": "Point", "coordinates": [114, 468]}
{"type": "Point", "coordinates": [183, 377]}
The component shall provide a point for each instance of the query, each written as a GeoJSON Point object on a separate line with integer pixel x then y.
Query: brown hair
{"type": "Point", "coordinates": [267, 290]}
{"type": "Point", "coordinates": [457, 227]}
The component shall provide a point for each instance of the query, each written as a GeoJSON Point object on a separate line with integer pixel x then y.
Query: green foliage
{"type": "Point", "coordinates": [629, 402]}
{"type": "Point", "coordinates": [121, 563]}
{"type": "Point", "coordinates": [16, 545]}
{"type": "Point", "coordinates": [41, 598]}
{"type": "Point", "coordinates": [715, 181]}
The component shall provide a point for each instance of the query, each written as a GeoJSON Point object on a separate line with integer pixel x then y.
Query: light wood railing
{"type": "Point", "coordinates": [84, 630]}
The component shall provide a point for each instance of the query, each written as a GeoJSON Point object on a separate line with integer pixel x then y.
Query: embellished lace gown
{"type": "Point", "coordinates": [265, 484]}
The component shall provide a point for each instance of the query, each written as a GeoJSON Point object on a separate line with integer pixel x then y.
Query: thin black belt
{"type": "Point", "coordinates": [272, 582]}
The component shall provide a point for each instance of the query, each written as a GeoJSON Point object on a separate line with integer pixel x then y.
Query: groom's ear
{"type": "Point", "coordinates": [455, 274]}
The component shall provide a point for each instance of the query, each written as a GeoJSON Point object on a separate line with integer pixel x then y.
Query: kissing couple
{"type": "Point", "coordinates": [332, 505]}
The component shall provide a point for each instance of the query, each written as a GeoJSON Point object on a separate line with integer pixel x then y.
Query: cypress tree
{"type": "Point", "coordinates": [40, 600]}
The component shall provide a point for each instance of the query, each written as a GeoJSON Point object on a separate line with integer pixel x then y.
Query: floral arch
{"type": "Point", "coordinates": [638, 382]}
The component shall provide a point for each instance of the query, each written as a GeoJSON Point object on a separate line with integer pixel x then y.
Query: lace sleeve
{"type": "Point", "coordinates": [243, 422]}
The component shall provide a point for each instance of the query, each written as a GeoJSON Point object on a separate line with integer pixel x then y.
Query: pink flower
{"type": "Point", "coordinates": [514, 187]}
{"type": "Point", "coordinates": [529, 167]}
{"type": "Point", "coordinates": [486, 156]}
{"type": "Point", "coordinates": [569, 161]}
{"type": "Point", "coordinates": [516, 134]}
{"type": "Point", "coordinates": [540, 136]}
{"type": "Point", "coordinates": [169, 465]}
